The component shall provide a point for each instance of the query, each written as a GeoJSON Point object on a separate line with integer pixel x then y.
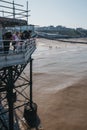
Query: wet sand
{"type": "Point", "coordinates": [60, 84]}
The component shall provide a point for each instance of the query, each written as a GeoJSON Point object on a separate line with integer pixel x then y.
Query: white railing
{"type": "Point", "coordinates": [16, 54]}
{"type": "Point", "coordinates": [13, 47]}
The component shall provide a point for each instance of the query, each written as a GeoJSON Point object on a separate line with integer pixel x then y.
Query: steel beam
{"type": "Point", "coordinates": [31, 82]}
{"type": "Point", "coordinates": [10, 86]}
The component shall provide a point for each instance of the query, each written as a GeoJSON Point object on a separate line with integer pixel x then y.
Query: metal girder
{"type": "Point", "coordinates": [16, 72]}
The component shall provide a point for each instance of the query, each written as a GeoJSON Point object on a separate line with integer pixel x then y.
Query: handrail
{"type": "Point", "coordinates": [8, 47]}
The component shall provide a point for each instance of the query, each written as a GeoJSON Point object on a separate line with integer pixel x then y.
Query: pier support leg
{"type": "Point", "coordinates": [10, 98]}
{"type": "Point", "coordinates": [31, 82]}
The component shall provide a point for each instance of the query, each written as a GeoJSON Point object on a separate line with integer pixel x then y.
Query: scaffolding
{"type": "Point", "coordinates": [14, 10]}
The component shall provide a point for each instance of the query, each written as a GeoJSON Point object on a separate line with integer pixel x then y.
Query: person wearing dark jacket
{"type": "Point", "coordinates": [7, 37]}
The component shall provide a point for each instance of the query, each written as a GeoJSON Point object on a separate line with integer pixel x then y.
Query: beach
{"type": "Point", "coordinates": [59, 84]}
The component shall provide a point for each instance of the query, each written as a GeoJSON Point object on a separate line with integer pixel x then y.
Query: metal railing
{"type": "Point", "coordinates": [14, 47]}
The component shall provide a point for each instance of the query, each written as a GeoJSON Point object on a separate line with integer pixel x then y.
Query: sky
{"type": "Point", "coordinates": [69, 13]}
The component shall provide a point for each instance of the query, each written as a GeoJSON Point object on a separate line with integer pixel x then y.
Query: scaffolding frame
{"type": "Point", "coordinates": [14, 7]}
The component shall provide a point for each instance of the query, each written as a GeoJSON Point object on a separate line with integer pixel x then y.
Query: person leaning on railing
{"type": "Point", "coordinates": [7, 37]}
{"type": "Point", "coordinates": [16, 39]}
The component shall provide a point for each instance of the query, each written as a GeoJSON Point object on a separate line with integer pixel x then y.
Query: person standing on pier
{"type": "Point", "coordinates": [7, 37]}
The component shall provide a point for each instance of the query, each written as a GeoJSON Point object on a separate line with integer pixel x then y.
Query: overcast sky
{"type": "Point", "coordinates": [69, 13]}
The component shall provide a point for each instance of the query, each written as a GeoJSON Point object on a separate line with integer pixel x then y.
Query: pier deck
{"type": "Point", "coordinates": [19, 56]}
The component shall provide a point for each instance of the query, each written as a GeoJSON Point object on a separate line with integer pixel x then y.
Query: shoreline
{"type": "Point", "coordinates": [69, 40]}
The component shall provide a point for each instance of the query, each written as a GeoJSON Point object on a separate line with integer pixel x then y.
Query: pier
{"type": "Point", "coordinates": [17, 109]}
